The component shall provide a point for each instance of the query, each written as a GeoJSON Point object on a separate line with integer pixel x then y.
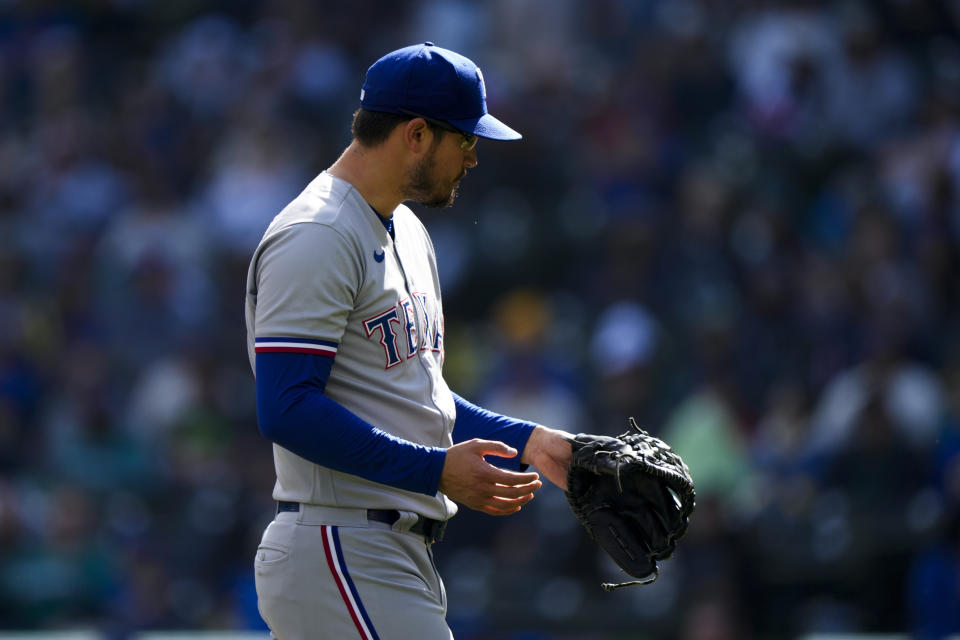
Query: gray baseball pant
{"type": "Point", "coordinates": [327, 572]}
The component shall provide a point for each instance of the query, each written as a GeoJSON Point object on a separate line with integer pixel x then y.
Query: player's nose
{"type": "Point", "coordinates": [470, 158]}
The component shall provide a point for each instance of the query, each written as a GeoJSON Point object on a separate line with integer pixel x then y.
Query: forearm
{"type": "Point", "coordinates": [476, 422]}
{"type": "Point", "coordinates": [293, 412]}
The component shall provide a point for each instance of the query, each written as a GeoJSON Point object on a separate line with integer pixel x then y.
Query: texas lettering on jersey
{"type": "Point", "coordinates": [399, 329]}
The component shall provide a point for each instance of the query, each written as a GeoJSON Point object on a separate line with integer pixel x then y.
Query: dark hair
{"type": "Point", "coordinates": [371, 128]}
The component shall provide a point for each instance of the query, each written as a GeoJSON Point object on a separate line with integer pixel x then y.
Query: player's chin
{"type": "Point", "coordinates": [444, 199]}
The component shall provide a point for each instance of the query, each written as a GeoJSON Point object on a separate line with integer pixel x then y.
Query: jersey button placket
{"type": "Point", "coordinates": [420, 333]}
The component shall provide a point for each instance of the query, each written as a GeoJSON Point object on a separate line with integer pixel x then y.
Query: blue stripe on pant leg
{"type": "Point", "coordinates": [353, 588]}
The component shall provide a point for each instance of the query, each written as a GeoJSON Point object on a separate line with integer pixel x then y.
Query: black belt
{"type": "Point", "coordinates": [429, 528]}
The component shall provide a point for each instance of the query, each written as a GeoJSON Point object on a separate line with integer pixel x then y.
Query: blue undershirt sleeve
{"type": "Point", "coordinates": [293, 412]}
{"type": "Point", "coordinates": [476, 422]}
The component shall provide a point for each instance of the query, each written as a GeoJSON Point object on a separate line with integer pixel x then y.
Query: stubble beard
{"type": "Point", "coordinates": [424, 189]}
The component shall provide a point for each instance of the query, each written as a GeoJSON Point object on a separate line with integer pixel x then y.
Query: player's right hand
{"type": "Point", "coordinates": [470, 480]}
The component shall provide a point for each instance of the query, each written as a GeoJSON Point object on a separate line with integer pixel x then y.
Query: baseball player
{"type": "Point", "coordinates": [346, 338]}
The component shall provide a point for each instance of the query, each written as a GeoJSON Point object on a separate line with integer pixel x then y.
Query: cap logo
{"type": "Point", "coordinates": [362, 94]}
{"type": "Point", "coordinates": [483, 86]}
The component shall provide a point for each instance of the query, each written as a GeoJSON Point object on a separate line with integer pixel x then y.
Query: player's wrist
{"type": "Point", "coordinates": [537, 444]}
{"type": "Point", "coordinates": [436, 463]}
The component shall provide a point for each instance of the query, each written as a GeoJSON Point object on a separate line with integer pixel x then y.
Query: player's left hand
{"type": "Point", "coordinates": [549, 451]}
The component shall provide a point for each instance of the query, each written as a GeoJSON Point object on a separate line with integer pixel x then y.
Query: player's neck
{"type": "Point", "coordinates": [371, 175]}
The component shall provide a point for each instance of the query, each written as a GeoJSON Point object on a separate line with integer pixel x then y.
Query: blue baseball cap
{"type": "Point", "coordinates": [430, 81]}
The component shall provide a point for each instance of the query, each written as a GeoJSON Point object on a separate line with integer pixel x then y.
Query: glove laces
{"type": "Point", "coordinates": [610, 586]}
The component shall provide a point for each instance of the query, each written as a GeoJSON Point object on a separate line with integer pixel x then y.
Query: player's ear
{"type": "Point", "coordinates": [417, 135]}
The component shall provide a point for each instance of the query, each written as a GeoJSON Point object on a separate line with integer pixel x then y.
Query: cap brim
{"type": "Point", "coordinates": [486, 126]}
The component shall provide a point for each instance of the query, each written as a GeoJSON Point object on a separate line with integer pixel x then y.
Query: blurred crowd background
{"type": "Point", "coordinates": [737, 221]}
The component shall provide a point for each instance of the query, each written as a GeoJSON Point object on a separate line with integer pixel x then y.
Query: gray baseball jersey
{"type": "Point", "coordinates": [327, 278]}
